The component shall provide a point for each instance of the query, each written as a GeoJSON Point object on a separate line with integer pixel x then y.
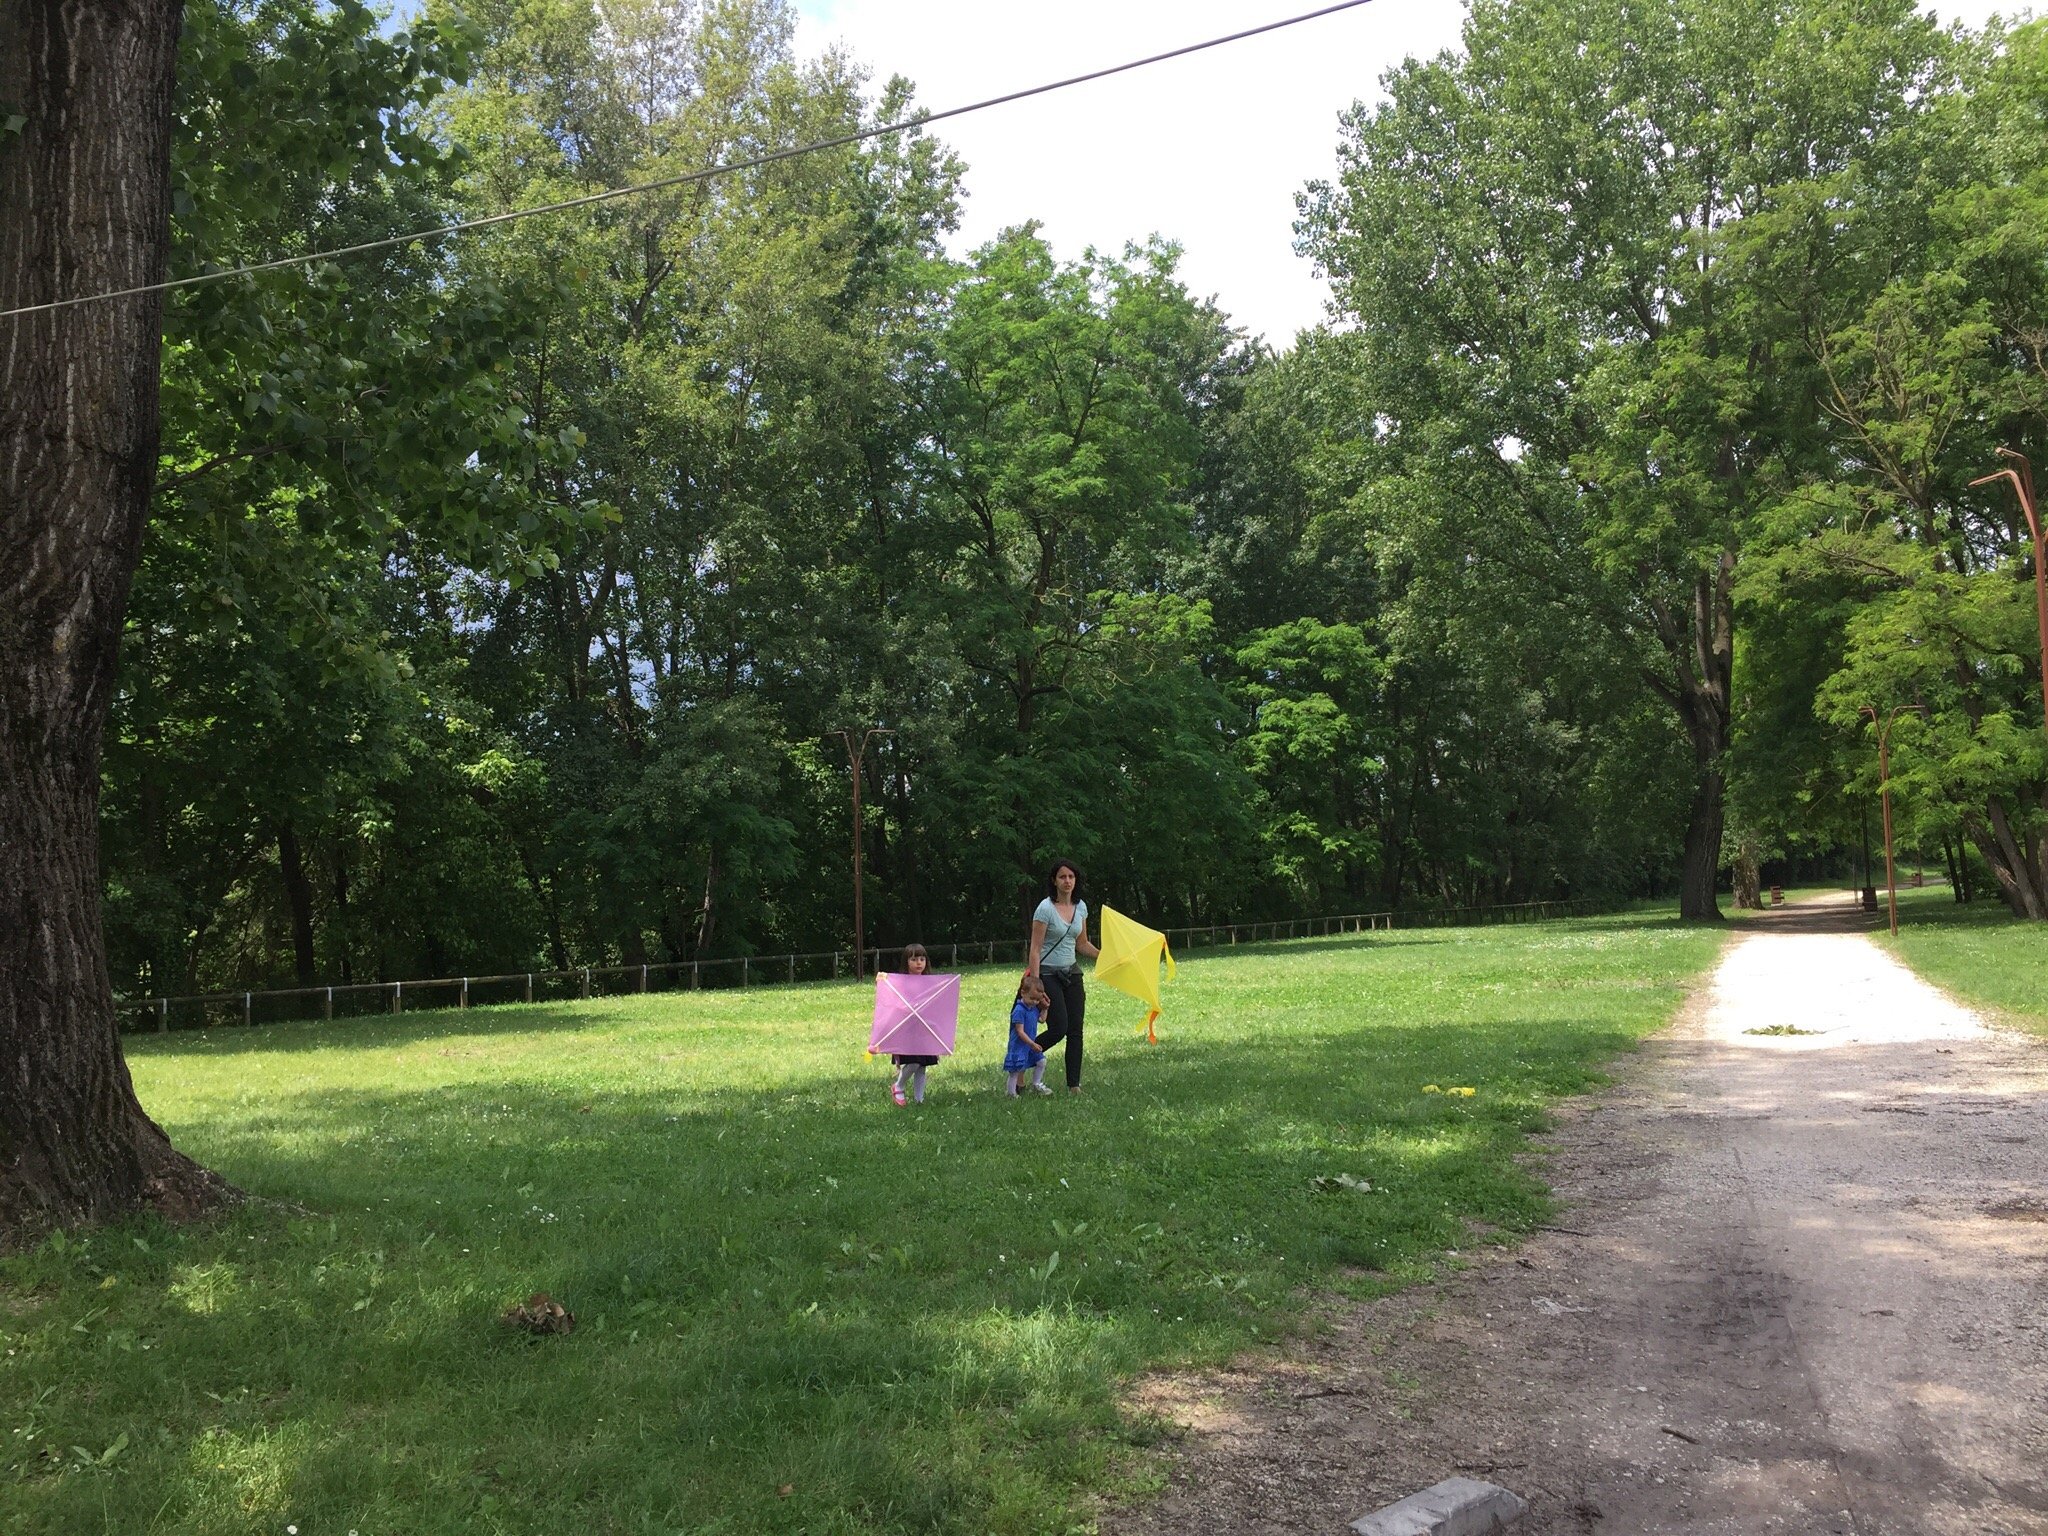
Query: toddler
{"type": "Point", "coordinates": [1024, 1055]}
{"type": "Point", "coordinates": [912, 1068]}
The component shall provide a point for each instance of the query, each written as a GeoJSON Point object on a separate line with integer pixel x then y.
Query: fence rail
{"type": "Point", "coordinates": [365, 999]}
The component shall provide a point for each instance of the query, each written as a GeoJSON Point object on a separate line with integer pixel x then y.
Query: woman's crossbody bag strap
{"type": "Point", "coordinates": [1067, 930]}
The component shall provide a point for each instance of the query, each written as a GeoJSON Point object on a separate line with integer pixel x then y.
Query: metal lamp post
{"type": "Point", "coordinates": [1884, 783]}
{"type": "Point", "coordinates": [2022, 479]}
{"type": "Point", "coordinates": [855, 756]}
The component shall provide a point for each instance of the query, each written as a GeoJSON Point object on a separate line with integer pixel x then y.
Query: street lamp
{"type": "Point", "coordinates": [1884, 783]}
{"type": "Point", "coordinates": [855, 756]}
{"type": "Point", "coordinates": [2022, 480]}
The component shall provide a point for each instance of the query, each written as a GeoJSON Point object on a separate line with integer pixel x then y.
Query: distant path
{"type": "Point", "coordinates": [1804, 1289]}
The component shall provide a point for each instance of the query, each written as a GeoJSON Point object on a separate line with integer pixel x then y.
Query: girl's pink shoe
{"type": "Point", "coordinates": [896, 1092]}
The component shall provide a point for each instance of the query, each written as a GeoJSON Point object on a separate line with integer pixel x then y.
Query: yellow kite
{"type": "Point", "coordinates": [1129, 961]}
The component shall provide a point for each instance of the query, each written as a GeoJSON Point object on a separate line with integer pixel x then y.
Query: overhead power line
{"type": "Point", "coordinates": [690, 178]}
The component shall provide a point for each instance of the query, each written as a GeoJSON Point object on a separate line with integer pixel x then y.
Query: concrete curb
{"type": "Point", "coordinates": [1458, 1506]}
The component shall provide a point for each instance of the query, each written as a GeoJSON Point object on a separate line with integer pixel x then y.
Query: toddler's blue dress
{"type": "Point", "coordinates": [1021, 1057]}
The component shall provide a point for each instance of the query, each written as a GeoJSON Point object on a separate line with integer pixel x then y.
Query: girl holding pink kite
{"type": "Point", "coordinates": [915, 963]}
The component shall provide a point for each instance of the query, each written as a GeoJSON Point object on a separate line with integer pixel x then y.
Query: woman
{"type": "Point", "coordinates": [1059, 934]}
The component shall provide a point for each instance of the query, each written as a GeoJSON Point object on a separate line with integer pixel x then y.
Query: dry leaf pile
{"type": "Point", "coordinates": [540, 1313]}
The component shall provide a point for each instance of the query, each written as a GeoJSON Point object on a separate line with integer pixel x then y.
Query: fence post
{"type": "Point", "coordinates": [792, 970]}
{"type": "Point", "coordinates": [586, 981]}
{"type": "Point", "coordinates": [463, 1000]}
{"type": "Point", "coordinates": [529, 986]}
{"type": "Point", "coordinates": [248, 1014]}
{"type": "Point", "coordinates": [835, 965]}
{"type": "Point", "coordinates": [329, 1010]}
{"type": "Point", "coordinates": [693, 975]}
{"type": "Point", "coordinates": [643, 978]}
{"type": "Point", "coordinates": [163, 1015]}
{"type": "Point", "coordinates": [744, 969]}
{"type": "Point", "coordinates": [398, 997]}
{"type": "Point", "coordinates": [991, 951]}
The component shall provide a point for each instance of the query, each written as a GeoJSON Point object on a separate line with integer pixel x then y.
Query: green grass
{"type": "Point", "coordinates": [1979, 953]}
{"type": "Point", "coordinates": [800, 1308]}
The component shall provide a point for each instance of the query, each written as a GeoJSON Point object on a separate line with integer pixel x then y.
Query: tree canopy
{"type": "Point", "coordinates": [500, 595]}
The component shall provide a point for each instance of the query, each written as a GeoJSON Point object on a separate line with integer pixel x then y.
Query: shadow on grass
{"type": "Point", "coordinates": [715, 1006]}
{"type": "Point", "coordinates": [910, 1320]}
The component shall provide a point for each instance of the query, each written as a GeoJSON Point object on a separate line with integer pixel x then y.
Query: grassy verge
{"type": "Point", "coordinates": [801, 1308]}
{"type": "Point", "coordinates": [1979, 953]}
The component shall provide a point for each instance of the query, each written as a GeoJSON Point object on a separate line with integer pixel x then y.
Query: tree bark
{"type": "Point", "coordinates": [1697, 899]}
{"type": "Point", "coordinates": [298, 892]}
{"type": "Point", "coordinates": [1748, 875]}
{"type": "Point", "coordinates": [1702, 649]}
{"type": "Point", "coordinates": [2013, 864]}
{"type": "Point", "coordinates": [83, 209]}
{"type": "Point", "coordinates": [338, 925]}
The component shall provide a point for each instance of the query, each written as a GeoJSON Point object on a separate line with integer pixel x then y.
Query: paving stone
{"type": "Point", "coordinates": [1458, 1506]}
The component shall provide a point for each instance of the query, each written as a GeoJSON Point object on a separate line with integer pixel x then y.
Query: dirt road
{"type": "Point", "coordinates": [1804, 1288]}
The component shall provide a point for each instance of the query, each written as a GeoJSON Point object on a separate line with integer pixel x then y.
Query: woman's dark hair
{"type": "Point", "coordinates": [1052, 877]}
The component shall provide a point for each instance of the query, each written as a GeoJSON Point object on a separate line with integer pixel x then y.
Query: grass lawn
{"type": "Point", "coordinates": [800, 1308]}
{"type": "Point", "coordinates": [1979, 953]}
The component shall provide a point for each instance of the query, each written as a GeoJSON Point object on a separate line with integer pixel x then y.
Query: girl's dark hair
{"type": "Point", "coordinates": [1052, 876]}
{"type": "Point", "coordinates": [915, 951]}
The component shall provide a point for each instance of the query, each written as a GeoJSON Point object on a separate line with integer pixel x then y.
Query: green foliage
{"type": "Point", "coordinates": [1912, 288]}
{"type": "Point", "coordinates": [1574, 370]}
{"type": "Point", "coordinates": [798, 1306]}
{"type": "Point", "coordinates": [505, 594]}
{"type": "Point", "coordinates": [1978, 953]}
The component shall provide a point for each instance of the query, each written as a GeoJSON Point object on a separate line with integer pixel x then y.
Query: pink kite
{"type": "Point", "coordinates": [915, 1015]}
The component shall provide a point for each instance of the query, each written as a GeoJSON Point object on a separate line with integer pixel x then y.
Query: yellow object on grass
{"type": "Point", "coordinates": [1129, 961]}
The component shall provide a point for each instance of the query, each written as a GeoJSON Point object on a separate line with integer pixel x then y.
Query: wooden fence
{"type": "Point", "coordinates": [363, 999]}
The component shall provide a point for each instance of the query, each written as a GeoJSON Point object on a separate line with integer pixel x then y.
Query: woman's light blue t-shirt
{"type": "Point", "coordinates": [1057, 952]}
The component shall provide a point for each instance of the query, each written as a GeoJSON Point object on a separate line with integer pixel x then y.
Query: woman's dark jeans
{"type": "Point", "coordinates": [1069, 1007]}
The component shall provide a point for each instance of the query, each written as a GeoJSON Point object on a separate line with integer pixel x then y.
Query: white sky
{"type": "Point", "coordinates": [1208, 150]}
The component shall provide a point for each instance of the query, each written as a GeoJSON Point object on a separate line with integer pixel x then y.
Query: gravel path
{"type": "Point", "coordinates": [1801, 1285]}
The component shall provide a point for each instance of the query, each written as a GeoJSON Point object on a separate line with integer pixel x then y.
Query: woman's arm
{"type": "Point", "coordinates": [1037, 947]}
{"type": "Point", "coordinates": [1082, 946]}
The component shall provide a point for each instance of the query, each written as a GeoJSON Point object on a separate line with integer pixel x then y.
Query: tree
{"type": "Point", "coordinates": [1909, 291]}
{"type": "Point", "coordinates": [85, 182]}
{"type": "Point", "coordinates": [1534, 240]}
{"type": "Point", "coordinates": [318, 419]}
{"type": "Point", "coordinates": [1060, 408]}
{"type": "Point", "coordinates": [335, 442]}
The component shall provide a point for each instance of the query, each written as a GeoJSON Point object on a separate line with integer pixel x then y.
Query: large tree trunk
{"type": "Point", "coordinates": [298, 891]}
{"type": "Point", "coordinates": [2017, 862]}
{"type": "Point", "coordinates": [83, 197]}
{"type": "Point", "coordinates": [1701, 645]}
{"type": "Point", "coordinates": [1697, 898]}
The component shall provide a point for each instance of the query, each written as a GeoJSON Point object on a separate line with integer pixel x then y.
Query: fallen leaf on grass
{"type": "Point", "coordinates": [540, 1313]}
{"type": "Point", "coordinates": [1327, 1184]}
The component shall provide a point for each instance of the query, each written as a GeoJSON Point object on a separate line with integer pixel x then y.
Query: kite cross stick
{"type": "Point", "coordinates": [915, 1015]}
{"type": "Point", "coordinates": [1129, 961]}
